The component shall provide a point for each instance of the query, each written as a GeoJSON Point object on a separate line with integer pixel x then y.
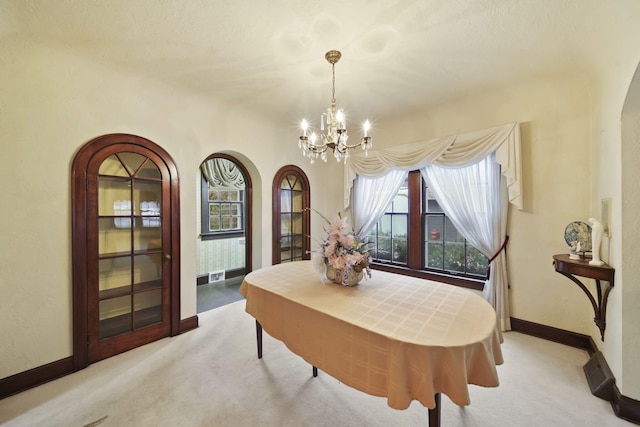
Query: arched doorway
{"type": "Point", "coordinates": [225, 239]}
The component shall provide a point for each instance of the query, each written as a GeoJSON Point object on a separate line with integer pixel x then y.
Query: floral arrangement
{"type": "Point", "coordinates": [343, 251]}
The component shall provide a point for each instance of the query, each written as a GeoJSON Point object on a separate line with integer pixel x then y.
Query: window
{"type": "Point", "coordinates": [389, 236]}
{"type": "Point", "coordinates": [225, 209]}
{"type": "Point", "coordinates": [223, 199]}
{"type": "Point", "coordinates": [415, 237]}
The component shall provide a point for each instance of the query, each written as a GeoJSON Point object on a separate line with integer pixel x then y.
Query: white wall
{"type": "Point", "coordinates": [616, 174]}
{"type": "Point", "coordinates": [51, 103]}
{"type": "Point", "coordinates": [629, 301]}
{"type": "Point", "coordinates": [555, 116]}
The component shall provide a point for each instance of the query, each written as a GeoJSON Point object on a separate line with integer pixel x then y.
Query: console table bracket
{"type": "Point", "coordinates": [580, 267]}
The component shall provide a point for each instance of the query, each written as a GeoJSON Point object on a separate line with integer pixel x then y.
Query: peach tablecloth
{"type": "Point", "coordinates": [392, 335]}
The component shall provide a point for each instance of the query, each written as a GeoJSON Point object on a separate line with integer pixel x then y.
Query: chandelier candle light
{"type": "Point", "coordinates": [336, 135]}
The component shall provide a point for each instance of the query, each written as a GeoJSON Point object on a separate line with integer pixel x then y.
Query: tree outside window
{"type": "Point", "coordinates": [414, 223]}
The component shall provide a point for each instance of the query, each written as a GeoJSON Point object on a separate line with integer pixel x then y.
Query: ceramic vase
{"type": "Point", "coordinates": [337, 275]}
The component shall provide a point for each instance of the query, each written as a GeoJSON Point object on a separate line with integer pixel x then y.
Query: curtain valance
{"type": "Point", "coordinates": [222, 173]}
{"type": "Point", "coordinates": [452, 151]}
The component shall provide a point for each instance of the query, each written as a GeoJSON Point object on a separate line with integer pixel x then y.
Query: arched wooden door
{"type": "Point", "coordinates": [291, 215]}
{"type": "Point", "coordinates": [125, 246]}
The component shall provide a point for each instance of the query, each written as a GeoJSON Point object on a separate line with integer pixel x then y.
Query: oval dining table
{"type": "Point", "coordinates": [394, 336]}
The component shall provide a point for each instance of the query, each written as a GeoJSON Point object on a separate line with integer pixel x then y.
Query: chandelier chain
{"type": "Point", "coordinates": [333, 83]}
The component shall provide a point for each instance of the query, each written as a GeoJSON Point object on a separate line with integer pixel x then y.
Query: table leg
{"type": "Point", "coordinates": [434, 414]}
{"type": "Point", "coordinates": [259, 338]}
{"type": "Point", "coordinates": [315, 371]}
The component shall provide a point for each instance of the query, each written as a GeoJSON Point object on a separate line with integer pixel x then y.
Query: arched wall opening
{"type": "Point", "coordinates": [630, 207]}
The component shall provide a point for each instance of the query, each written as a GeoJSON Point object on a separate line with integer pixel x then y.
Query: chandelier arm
{"type": "Point", "coordinates": [352, 146]}
{"type": "Point", "coordinates": [318, 148]}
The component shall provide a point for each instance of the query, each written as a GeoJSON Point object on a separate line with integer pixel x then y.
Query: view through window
{"type": "Point", "coordinates": [441, 247]}
{"type": "Point", "coordinates": [223, 200]}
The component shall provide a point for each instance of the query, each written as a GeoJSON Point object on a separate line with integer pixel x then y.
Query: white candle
{"type": "Point", "coordinates": [366, 127]}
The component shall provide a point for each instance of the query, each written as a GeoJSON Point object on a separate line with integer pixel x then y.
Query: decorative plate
{"type": "Point", "coordinates": [578, 231]}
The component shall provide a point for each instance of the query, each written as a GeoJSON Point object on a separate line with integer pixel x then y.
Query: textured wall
{"type": "Point", "coordinates": [630, 202]}
{"type": "Point", "coordinates": [51, 103]}
{"type": "Point", "coordinates": [555, 131]}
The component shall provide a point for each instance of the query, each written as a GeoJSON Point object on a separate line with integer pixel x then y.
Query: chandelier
{"type": "Point", "coordinates": [333, 127]}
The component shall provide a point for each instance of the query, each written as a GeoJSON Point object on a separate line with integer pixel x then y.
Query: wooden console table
{"type": "Point", "coordinates": [580, 267]}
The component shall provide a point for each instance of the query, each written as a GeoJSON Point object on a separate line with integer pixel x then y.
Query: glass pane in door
{"type": "Point", "coordinates": [148, 308]}
{"type": "Point", "coordinates": [296, 223]}
{"type": "Point", "coordinates": [114, 275]}
{"type": "Point", "coordinates": [114, 196]}
{"type": "Point", "coordinates": [114, 236]}
{"type": "Point", "coordinates": [113, 166]}
{"type": "Point", "coordinates": [147, 271]}
{"type": "Point", "coordinates": [147, 236]}
{"type": "Point", "coordinates": [296, 201]}
{"type": "Point", "coordinates": [285, 249]}
{"type": "Point", "coordinates": [296, 247]}
{"type": "Point", "coordinates": [115, 316]}
{"type": "Point", "coordinates": [149, 170]}
{"type": "Point", "coordinates": [285, 201]}
{"type": "Point", "coordinates": [147, 196]}
{"type": "Point", "coordinates": [285, 224]}
{"type": "Point", "coordinates": [132, 161]}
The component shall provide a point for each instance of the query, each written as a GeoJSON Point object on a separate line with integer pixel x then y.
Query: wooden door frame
{"type": "Point", "coordinates": [79, 202]}
{"type": "Point", "coordinates": [275, 213]}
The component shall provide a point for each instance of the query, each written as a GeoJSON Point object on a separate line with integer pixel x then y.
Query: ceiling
{"type": "Point", "coordinates": [269, 55]}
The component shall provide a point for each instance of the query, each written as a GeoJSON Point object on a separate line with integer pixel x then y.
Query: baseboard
{"type": "Point", "coordinates": [624, 407]}
{"type": "Point", "coordinates": [229, 274]}
{"type": "Point", "coordinates": [34, 377]}
{"type": "Point", "coordinates": [188, 324]}
{"type": "Point", "coordinates": [549, 333]}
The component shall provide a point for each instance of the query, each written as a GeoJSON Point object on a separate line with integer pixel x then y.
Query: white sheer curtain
{"type": "Point", "coordinates": [474, 198]}
{"type": "Point", "coordinates": [454, 151]}
{"type": "Point", "coordinates": [371, 196]}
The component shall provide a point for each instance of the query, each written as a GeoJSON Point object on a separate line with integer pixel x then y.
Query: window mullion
{"type": "Point", "coordinates": [415, 232]}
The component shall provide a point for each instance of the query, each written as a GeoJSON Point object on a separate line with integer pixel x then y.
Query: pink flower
{"type": "Point", "coordinates": [355, 258]}
{"type": "Point", "coordinates": [337, 227]}
{"type": "Point", "coordinates": [347, 240]}
{"type": "Point", "coordinates": [342, 250]}
{"type": "Point", "coordinates": [330, 249]}
{"type": "Point", "coordinates": [338, 263]}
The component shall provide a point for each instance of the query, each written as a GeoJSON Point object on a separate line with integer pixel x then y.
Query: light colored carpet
{"type": "Point", "coordinates": [212, 377]}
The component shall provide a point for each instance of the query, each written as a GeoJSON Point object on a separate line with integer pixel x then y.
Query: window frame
{"type": "Point", "coordinates": [415, 245]}
{"type": "Point", "coordinates": [204, 205]}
